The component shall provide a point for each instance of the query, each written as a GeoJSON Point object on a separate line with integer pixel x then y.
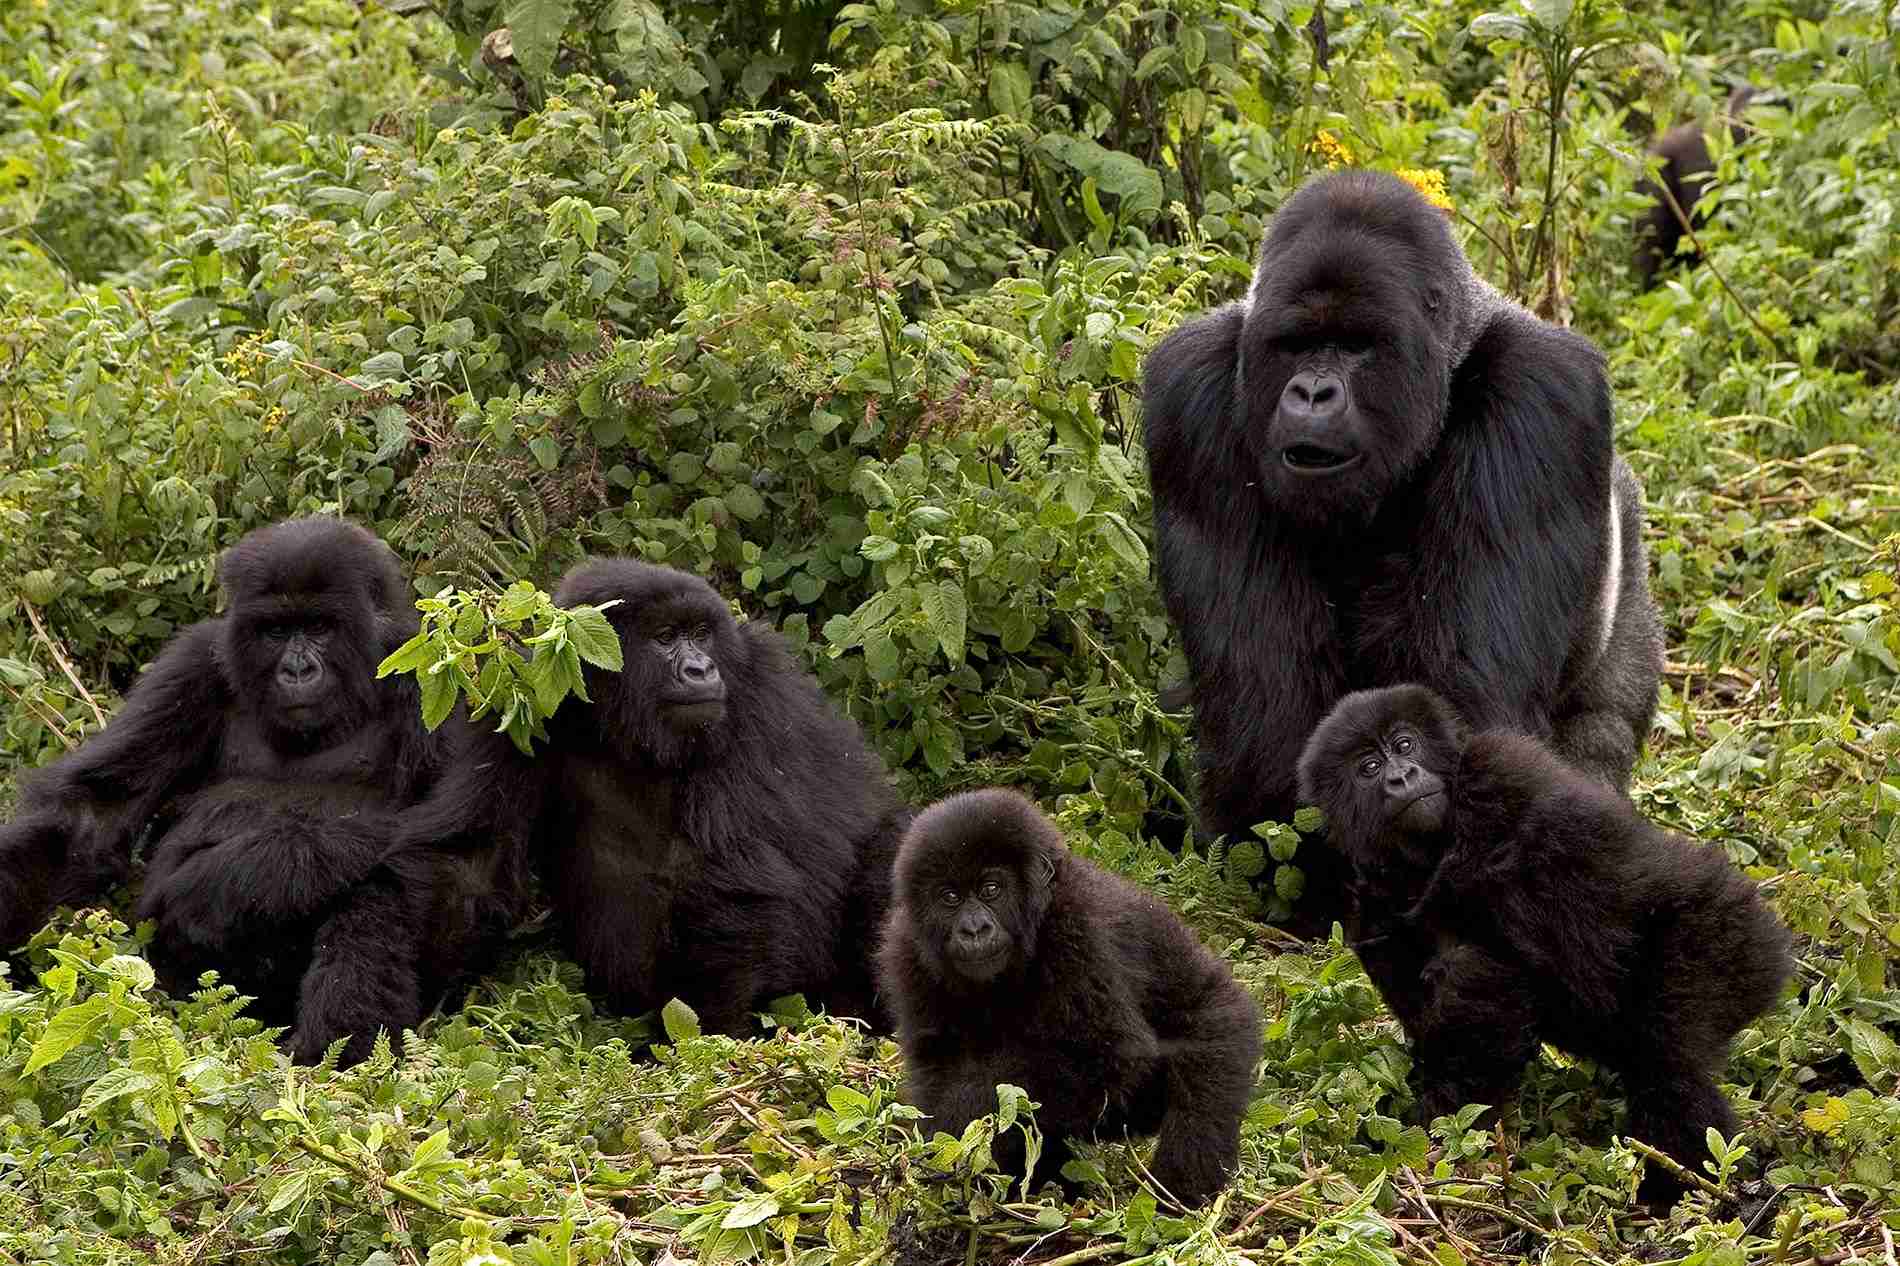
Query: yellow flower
{"type": "Point", "coordinates": [1430, 183]}
{"type": "Point", "coordinates": [1330, 148]}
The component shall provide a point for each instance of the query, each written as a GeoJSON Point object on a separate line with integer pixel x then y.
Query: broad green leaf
{"type": "Point", "coordinates": [536, 27]}
{"type": "Point", "coordinates": [69, 1030]}
{"type": "Point", "coordinates": [594, 639]}
{"type": "Point", "coordinates": [681, 1021]}
{"type": "Point", "coordinates": [750, 1212]}
{"type": "Point", "coordinates": [115, 1083]}
{"type": "Point", "coordinates": [1009, 90]}
{"type": "Point", "coordinates": [948, 613]}
{"type": "Point", "coordinates": [439, 692]}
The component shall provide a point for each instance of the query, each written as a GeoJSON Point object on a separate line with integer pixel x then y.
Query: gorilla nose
{"type": "Point", "coordinates": [700, 670]}
{"type": "Point", "coordinates": [1399, 776]}
{"type": "Point", "coordinates": [299, 670]}
{"type": "Point", "coordinates": [975, 928]}
{"type": "Point", "coordinates": [1317, 396]}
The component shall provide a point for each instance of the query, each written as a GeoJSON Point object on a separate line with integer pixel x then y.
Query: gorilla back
{"type": "Point", "coordinates": [709, 828]}
{"type": "Point", "coordinates": [1377, 469]}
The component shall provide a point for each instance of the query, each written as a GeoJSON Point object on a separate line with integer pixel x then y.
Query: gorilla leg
{"type": "Point", "coordinates": [1672, 1104]}
{"type": "Point", "coordinates": [363, 973]}
{"type": "Point", "coordinates": [1476, 1032]}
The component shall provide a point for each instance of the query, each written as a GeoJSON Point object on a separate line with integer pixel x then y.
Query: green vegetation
{"type": "Point", "coordinates": [844, 306]}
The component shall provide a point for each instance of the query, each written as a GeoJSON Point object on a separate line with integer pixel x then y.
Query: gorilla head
{"type": "Point", "coordinates": [1381, 765]}
{"type": "Point", "coordinates": [681, 650]}
{"type": "Point", "coordinates": [314, 604]}
{"type": "Point", "coordinates": [1361, 306]}
{"type": "Point", "coordinates": [973, 883]}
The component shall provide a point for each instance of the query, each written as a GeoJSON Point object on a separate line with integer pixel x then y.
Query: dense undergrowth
{"type": "Point", "coordinates": [844, 306]}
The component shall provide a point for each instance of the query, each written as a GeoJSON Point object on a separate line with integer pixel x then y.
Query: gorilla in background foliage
{"type": "Point", "coordinates": [1507, 899]}
{"type": "Point", "coordinates": [1009, 959]}
{"type": "Point", "coordinates": [1684, 172]}
{"type": "Point", "coordinates": [1375, 469]}
{"type": "Point", "coordinates": [268, 764]}
{"type": "Point", "coordinates": [709, 828]}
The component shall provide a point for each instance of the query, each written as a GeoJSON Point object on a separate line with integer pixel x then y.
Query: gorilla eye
{"type": "Point", "coordinates": [990, 891]}
{"type": "Point", "coordinates": [701, 633]}
{"type": "Point", "coordinates": [666, 637]}
{"type": "Point", "coordinates": [1369, 766]}
{"type": "Point", "coordinates": [1404, 746]}
{"type": "Point", "coordinates": [950, 897]}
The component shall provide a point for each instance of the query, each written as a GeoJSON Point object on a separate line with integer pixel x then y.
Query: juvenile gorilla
{"type": "Point", "coordinates": [268, 764]}
{"type": "Point", "coordinates": [709, 828]}
{"type": "Point", "coordinates": [1375, 469]}
{"type": "Point", "coordinates": [1507, 900]}
{"type": "Point", "coordinates": [1009, 959]}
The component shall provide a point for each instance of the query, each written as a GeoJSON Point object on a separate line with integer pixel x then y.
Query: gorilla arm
{"type": "Point", "coordinates": [1522, 496]}
{"type": "Point", "coordinates": [1256, 626]}
{"type": "Point", "coordinates": [1208, 1038]}
{"type": "Point", "coordinates": [1531, 871]}
{"type": "Point", "coordinates": [80, 816]}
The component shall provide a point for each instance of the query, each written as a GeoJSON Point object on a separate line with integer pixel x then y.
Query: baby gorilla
{"type": "Point", "coordinates": [1009, 959]}
{"type": "Point", "coordinates": [1506, 899]}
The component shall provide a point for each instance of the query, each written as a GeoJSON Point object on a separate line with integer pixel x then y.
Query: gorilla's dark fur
{"type": "Point", "coordinates": [268, 764]}
{"type": "Point", "coordinates": [1377, 469]}
{"type": "Point", "coordinates": [1009, 959]}
{"type": "Point", "coordinates": [1684, 173]}
{"type": "Point", "coordinates": [1507, 900]}
{"type": "Point", "coordinates": [708, 828]}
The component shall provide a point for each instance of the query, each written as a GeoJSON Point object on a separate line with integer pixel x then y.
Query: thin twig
{"type": "Point", "coordinates": [1682, 218]}
{"type": "Point", "coordinates": [394, 1186]}
{"type": "Point", "coordinates": [1675, 1167]}
{"type": "Point", "coordinates": [64, 666]}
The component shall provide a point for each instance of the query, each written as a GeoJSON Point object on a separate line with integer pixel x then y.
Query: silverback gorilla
{"type": "Point", "coordinates": [709, 828]}
{"type": "Point", "coordinates": [1507, 900]}
{"type": "Point", "coordinates": [1009, 959]}
{"type": "Point", "coordinates": [1374, 469]}
{"type": "Point", "coordinates": [267, 764]}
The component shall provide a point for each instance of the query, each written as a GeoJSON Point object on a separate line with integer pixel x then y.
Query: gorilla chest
{"type": "Point", "coordinates": [617, 832]}
{"type": "Point", "coordinates": [363, 758]}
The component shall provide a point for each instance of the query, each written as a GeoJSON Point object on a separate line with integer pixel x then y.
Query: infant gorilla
{"type": "Point", "coordinates": [1504, 898]}
{"type": "Point", "coordinates": [1008, 959]}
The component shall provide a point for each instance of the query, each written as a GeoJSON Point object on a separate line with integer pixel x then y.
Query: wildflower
{"type": "Point", "coordinates": [1331, 149]}
{"type": "Point", "coordinates": [1430, 183]}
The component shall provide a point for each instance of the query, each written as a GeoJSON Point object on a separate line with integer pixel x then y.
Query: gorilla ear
{"type": "Point", "coordinates": [1434, 299]}
{"type": "Point", "coordinates": [1044, 872]}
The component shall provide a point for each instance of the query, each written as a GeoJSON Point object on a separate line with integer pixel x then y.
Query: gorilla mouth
{"type": "Point", "coordinates": [696, 712]}
{"type": "Point", "coordinates": [1312, 459]}
{"type": "Point", "coordinates": [1426, 813]}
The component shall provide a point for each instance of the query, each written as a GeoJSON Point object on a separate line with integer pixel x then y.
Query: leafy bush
{"type": "Point", "coordinates": [843, 306]}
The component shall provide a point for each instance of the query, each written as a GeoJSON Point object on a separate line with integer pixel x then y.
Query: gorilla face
{"type": "Point", "coordinates": [310, 614]}
{"type": "Point", "coordinates": [1380, 765]}
{"type": "Point", "coordinates": [973, 883]}
{"type": "Point", "coordinates": [683, 660]}
{"type": "Point", "coordinates": [1348, 344]}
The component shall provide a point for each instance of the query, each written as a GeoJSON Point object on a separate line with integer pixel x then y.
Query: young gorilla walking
{"type": "Point", "coordinates": [1009, 959]}
{"type": "Point", "coordinates": [1506, 899]}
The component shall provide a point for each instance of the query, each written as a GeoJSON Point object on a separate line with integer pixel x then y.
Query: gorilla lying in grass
{"type": "Point", "coordinates": [268, 764]}
{"type": "Point", "coordinates": [1506, 900]}
{"type": "Point", "coordinates": [1009, 959]}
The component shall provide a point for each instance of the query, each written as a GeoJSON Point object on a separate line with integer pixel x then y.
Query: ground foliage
{"type": "Point", "coordinates": [843, 305]}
